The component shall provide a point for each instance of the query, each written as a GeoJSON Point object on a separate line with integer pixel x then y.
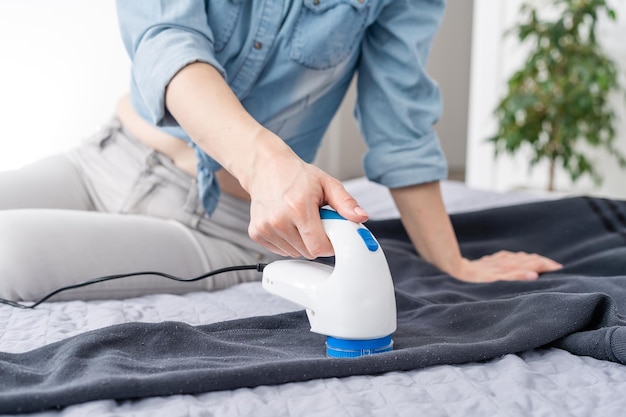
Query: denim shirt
{"type": "Point", "coordinates": [290, 64]}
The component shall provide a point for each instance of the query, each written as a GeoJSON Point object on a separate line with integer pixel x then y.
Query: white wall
{"type": "Point", "coordinates": [493, 61]}
{"type": "Point", "coordinates": [449, 65]}
{"type": "Point", "coordinates": [62, 66]}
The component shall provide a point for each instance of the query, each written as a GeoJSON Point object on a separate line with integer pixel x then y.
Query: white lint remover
{"type": "Point", "coordinates": [352, 303]}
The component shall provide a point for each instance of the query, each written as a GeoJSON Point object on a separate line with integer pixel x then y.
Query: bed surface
{"type": "Point", "coordinates": [539, 382]}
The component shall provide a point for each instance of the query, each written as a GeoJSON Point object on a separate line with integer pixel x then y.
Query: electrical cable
{"type": "Point", "coordinates": [258, 267]}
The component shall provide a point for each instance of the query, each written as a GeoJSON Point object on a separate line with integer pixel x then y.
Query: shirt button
{"type": "Point", "coordinates": [316, 2]}
{"type": "Point", "coordinates": [258, 45]}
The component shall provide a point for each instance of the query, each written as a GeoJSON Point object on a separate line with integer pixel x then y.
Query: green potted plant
{"type": "Point", "coordinates": [557, 103]}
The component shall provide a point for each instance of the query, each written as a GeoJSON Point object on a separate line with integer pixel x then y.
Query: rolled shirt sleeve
{"type": "Point", "coordinates": [162, 37]}
{"type": "Point", "coordinates": [397, 103]}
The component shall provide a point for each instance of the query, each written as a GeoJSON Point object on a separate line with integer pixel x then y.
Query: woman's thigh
{"type": "Point", "coordinates": [42, 250]}
{"type": "Point", "coordinates": [53, 182]}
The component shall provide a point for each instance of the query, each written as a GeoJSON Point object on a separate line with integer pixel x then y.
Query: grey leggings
{"type": "Point", "coordinates": [114, 206]}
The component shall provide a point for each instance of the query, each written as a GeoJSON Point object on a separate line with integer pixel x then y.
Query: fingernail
{"type": "Point", "coordinates": [359, 211]}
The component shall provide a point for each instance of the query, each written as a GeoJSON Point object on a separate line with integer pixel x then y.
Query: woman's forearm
{"type": "Point", "coordinates": [205, 106]}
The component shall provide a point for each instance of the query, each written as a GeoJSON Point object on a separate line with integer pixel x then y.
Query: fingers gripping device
{"type": "Point", "coordinates": [352, 303]}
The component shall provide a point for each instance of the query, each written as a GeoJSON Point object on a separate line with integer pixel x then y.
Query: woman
{"type": "Point", "coordinates": [208, 161]}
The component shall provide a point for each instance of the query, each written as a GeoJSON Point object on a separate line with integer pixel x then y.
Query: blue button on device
{"type": "Point", "coordinates": [369, 240]}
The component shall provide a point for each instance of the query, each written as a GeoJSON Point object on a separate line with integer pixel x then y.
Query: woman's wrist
{"type": "Point", "coordinates": [264, 150]}
{"type": "Point", "coordinates": [428, 225]}
{"type": "Point", "coordinates": [457, 268]}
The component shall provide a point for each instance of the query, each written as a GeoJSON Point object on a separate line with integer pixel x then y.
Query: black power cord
{"type": "Point", "coordinates": [258, 267]}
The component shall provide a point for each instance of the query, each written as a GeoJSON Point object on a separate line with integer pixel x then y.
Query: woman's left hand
{"type": "Point", "coordinates": [506, 266]}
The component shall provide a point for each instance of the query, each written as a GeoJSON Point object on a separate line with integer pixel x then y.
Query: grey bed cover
{"type": "Point", "coordinates": [440, 320]}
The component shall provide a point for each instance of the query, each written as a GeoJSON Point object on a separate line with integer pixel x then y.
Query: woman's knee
{"type": "Point", "coordinates": [39, 251]}
{"type": "Point", "coordinates": [53, 182]}
{"type": "Point", "coordinates": [18, 262]}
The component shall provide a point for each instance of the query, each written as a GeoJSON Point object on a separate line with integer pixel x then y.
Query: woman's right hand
{"type": "Point", "coordinates": [286, 195]}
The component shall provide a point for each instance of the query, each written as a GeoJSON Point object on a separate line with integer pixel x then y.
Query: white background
{"type": "Point", "coordinates": [62, 68]}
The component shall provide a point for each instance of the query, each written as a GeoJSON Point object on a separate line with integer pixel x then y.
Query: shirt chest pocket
{"type": "Point", "coordinates": [327, 32]}
{"type": "Point", "coordinates": [222, 17]}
